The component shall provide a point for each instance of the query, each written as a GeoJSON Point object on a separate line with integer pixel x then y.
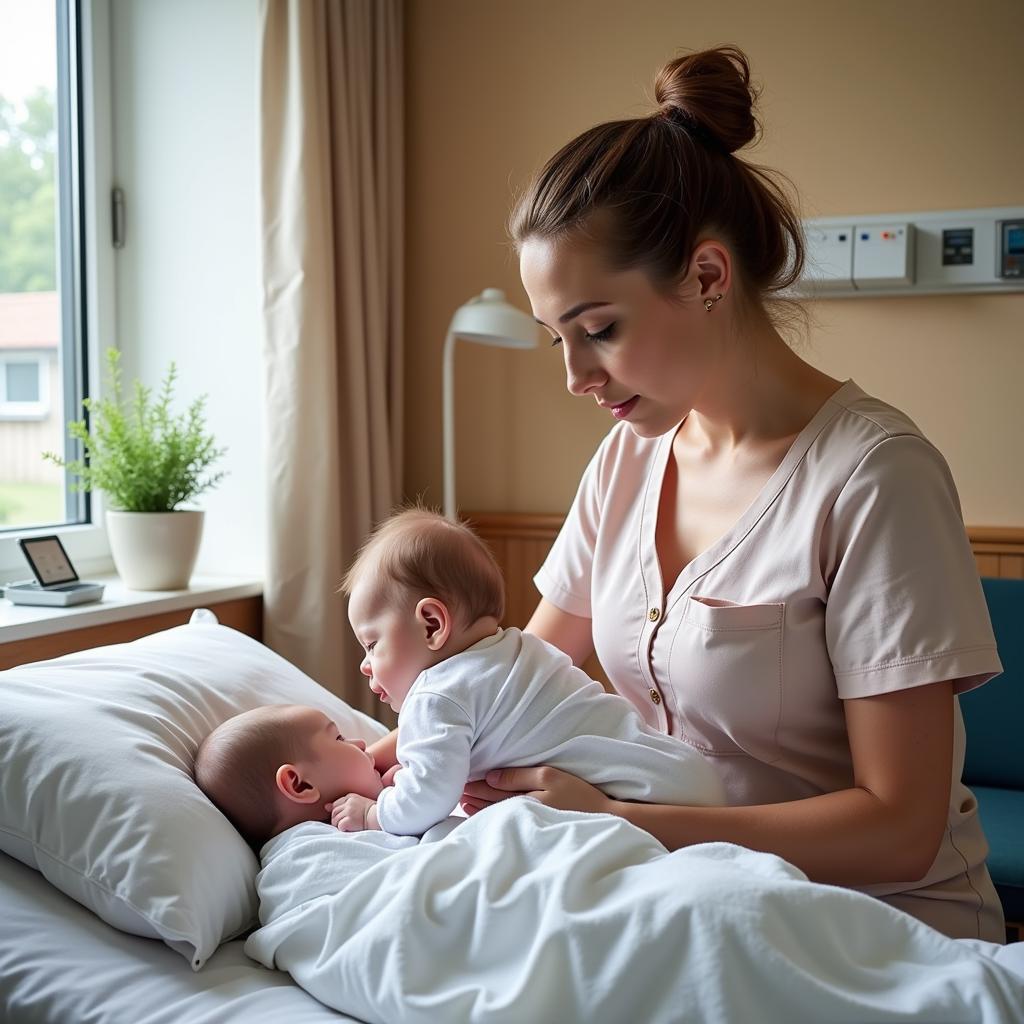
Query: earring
{"type": "Point", "coordinates": [708, 303]}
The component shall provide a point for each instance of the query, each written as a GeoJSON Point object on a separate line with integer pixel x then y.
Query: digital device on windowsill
{"type": "Point", "coordinates": [56, 583]}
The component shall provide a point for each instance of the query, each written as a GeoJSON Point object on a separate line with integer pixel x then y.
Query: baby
{"type": "Point", "coordinates": [425, 600]}
{"type": "Point", "coordinates": [278, 765]}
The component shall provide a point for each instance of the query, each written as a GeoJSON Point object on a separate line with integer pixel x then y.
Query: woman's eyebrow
{"type": "Point", "coordinates": [571, 314]}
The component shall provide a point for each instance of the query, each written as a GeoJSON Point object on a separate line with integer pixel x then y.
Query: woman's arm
{"type": "Point", "coordinates": [886, 827]}
{"type": "Point", "coordinates": [570, 633]}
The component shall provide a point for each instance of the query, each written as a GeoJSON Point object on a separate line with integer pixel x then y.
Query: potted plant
{"type": "Point", "coordinates": [148, 462]}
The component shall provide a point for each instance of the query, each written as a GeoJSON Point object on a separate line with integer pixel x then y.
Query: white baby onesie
{"type": "Point", "coordinates": [513, 700]}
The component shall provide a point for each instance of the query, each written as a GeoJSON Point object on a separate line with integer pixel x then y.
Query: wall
{"type": "Point", "coordinates": [869, 107]}
{"type": "Point", "coordinates": [188, 280]}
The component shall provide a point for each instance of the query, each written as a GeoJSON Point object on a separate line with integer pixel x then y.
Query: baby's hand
{"type": "Point", "coordinates": [388, 778]}
{"type": "Point", "coordinates": [352, 813]}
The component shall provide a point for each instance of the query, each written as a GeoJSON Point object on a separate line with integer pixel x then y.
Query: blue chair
{"type": "Point", "coordinates": [994, 764]}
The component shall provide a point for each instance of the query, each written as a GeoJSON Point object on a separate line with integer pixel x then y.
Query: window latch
{"type": "Point", "coordinates": [117, 217]}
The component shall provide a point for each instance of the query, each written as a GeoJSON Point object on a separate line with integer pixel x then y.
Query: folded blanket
{"type": "Point", "coordinates": [527, 914]}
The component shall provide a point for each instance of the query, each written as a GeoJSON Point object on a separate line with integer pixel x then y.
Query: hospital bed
{"type": "Point", "coordinates": [108, 847]}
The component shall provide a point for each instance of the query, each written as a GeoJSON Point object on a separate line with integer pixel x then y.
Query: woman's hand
{"type": "Point", "coordinates": [552, 787]}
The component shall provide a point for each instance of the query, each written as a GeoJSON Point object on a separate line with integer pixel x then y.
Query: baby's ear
{"type": "Point", "coordinates": [435, 621]}
{"type": "Point", "coordinates": [294, 787]}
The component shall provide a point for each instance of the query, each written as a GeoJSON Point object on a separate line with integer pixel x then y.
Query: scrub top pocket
{"type": "Point", "coordinates": [726, 671]}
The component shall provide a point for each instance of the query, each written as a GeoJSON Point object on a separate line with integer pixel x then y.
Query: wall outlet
{"type": "Point", "coordinates": [883, 255]}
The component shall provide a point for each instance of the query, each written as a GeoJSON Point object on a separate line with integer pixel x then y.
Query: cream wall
{"type": "Point", "coordinates": [869, 107]}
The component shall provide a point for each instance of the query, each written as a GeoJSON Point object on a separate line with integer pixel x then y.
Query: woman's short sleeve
{"type": "Point", "coordinates": [564, 578]}
{"type": "Point", "coordinates": [905, 605]}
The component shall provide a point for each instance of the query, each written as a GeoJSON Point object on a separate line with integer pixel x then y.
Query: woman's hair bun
{"type": "Point", "coordinates": [712, 89]}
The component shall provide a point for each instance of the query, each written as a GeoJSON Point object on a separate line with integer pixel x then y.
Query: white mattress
{"type": "Point", "coordinates": [59, 964]}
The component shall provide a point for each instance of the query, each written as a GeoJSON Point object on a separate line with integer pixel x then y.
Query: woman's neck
{"type": "Point", "coordinates": [758, 391]}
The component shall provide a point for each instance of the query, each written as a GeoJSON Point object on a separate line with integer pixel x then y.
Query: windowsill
{"type": "Point", "coordinates": [24, 622]}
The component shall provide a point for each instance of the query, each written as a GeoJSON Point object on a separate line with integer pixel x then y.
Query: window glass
{"type": "Point", "coordinates": [22, 382]}
{"type": "Point", "coordinates": [41, 382]}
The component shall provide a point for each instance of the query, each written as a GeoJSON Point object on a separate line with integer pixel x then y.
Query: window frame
{"type": "Point", "coordinates": [91, 312]}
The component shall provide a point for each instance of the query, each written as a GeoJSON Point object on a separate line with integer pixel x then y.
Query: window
{"type": "Point", "coordinates": [42, 344]}
{"type": "Point", "coordinates": [23, 386]}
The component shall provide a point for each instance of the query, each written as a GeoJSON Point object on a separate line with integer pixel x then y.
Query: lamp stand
{"type": "Point", "coordinates": [448, 431]}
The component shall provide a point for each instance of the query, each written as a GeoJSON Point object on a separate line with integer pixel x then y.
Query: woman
{"type": "Point", "coordinates": [771, 564]}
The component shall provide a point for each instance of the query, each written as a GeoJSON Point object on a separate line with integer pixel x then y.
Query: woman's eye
{"type": "Point", "coordinates": [603, 335]}
{"type": "Point", "coordinates": [606, 334]}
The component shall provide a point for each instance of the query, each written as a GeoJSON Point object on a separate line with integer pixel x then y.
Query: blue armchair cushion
{"type": "Point", "coordinates": [1002, 817]}
{"type": "Point", "coordinates": [994, 713]}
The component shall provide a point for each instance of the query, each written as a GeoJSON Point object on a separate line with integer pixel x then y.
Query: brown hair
{"type": "Point", "coordinates": [661, 180]}
{"type": "Point", "coordinates": [237, 763]}
{"type": "Point", "coordinates": [423, 554]}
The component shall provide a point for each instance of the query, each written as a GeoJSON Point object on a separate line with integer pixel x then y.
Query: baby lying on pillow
{"type": "Point", "coordinates": [281, 764]}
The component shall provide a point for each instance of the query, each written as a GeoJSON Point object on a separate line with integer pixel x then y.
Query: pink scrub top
{"type": "Point", "coordinates": [849, 575]}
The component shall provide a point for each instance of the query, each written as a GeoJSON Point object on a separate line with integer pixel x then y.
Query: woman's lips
{"type": "Point", "coordinates": [624, 408]}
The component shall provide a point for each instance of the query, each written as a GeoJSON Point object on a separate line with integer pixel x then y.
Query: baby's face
{"type": "Point", "coordinates": [394, 642]}
{"type": "Point", "coordinates": [333, 763]}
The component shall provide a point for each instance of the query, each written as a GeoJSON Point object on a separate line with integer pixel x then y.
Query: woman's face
{"type": "Point", "coordinates": [641, 355]}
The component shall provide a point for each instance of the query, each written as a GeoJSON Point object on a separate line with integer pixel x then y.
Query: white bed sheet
{"type": "Point", "coordinates": [59, 963]}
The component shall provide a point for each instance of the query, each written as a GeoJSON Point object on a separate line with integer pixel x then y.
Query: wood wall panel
{"type": "Point", "coordinates": [999, 550]}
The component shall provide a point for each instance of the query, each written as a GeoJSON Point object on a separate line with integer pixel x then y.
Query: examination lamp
{"type": "Point", "coordinates": [486, 319]}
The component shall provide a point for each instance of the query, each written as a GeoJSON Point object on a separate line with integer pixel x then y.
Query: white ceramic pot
{"type": "Point", "coordinates": [154, 550]}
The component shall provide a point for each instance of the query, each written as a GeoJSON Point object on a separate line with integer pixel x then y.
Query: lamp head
{"type": "Point", "coordinates": [488, 319]}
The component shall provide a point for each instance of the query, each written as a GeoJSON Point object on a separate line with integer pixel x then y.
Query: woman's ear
{"type": "Point", "coordinates": [294, 787]}
{"type": "Point", "coordinates": [710, 272]}
{"type": "Point", "coordinates": [435, 621]}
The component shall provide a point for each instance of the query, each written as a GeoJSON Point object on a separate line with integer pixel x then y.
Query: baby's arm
{"type": "Point", "coordinates": [435, 737]}
{"type": "Point", "coordinates": [383, 750]}
{"type": "Point", "coordinates": [354, 813]}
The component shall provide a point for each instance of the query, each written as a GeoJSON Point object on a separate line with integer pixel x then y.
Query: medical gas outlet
{"type": "Point", "coordinates": [953, 251]}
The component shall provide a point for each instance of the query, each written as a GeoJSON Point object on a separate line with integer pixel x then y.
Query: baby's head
{"type": "Point", "coordinates": [272, 767]}
{"type": "Point", "coordinates": [422, 589]}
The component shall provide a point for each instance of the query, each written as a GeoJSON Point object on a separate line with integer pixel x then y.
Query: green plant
{"type": "Point", "coordinates": [144, 458]}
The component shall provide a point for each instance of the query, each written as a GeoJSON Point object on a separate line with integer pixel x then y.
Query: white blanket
{"type": "Point", "coordinates": [526, 914]}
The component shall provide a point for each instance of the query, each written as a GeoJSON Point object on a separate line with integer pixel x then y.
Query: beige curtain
{"type": "Point", "coordinates": [332, 219]}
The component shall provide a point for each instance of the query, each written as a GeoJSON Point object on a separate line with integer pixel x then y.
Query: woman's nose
{"type": "Point", "coordinates": [582, 374]}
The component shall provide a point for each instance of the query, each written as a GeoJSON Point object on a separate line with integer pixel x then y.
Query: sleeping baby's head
{"type": "Point", "coordinates": [275, 766]}
{"type": "Point", "coordinates": [422, 589]}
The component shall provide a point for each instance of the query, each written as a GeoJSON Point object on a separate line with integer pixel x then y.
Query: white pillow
{"type": "Point", "coordinates": [97, 793]}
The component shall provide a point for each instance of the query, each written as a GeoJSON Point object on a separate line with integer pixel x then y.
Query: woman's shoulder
{"type": "Point", "coordinates": [869, 441]}
{"type": "Point", "coordinates": [863, 418]}
{"type": "Point", "coordinates": [856, 428]}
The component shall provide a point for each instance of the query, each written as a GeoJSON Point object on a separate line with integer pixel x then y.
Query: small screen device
{"type": "Point", "coordinates": [48, 560]}
{"type": "Point", "coordinates": [1011, 249]}
{"type": "Point", "coordinates": [56, 582]}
